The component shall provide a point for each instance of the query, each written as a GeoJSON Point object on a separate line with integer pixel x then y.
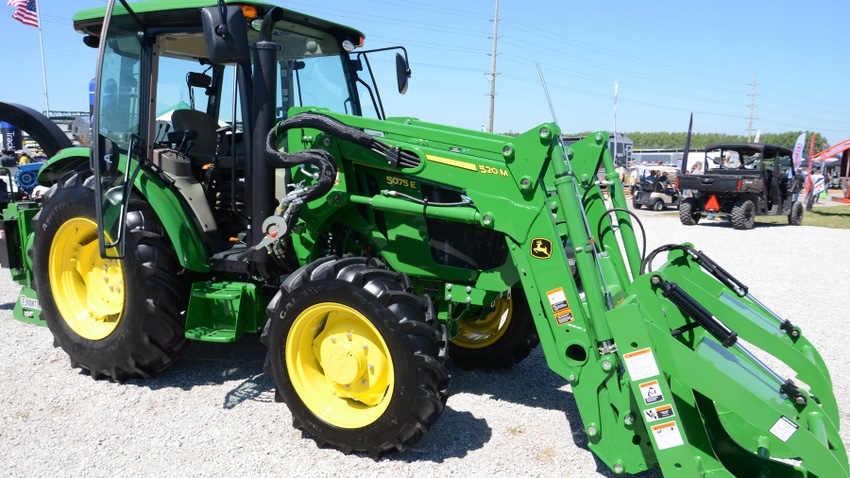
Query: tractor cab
{"type": "Point", "coordinates": [191, 99]}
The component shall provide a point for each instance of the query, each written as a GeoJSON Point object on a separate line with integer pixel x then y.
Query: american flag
{"type": "Point", "coordinates": [25, 12]}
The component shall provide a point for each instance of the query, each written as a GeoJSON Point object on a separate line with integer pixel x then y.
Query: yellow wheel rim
{"type": "Point", "coordinates": [88, 290]}
{"type": "Point", "coordinates": [339, 365]}
{"type": "Point", "coordinates": [477, 334]}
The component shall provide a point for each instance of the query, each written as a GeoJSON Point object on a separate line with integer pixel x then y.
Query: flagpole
{"type": "Point", "coordinates": [43, 69]}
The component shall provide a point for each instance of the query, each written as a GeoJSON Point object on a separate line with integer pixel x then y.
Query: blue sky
{"type": "Point", "coordinates": [669, 59]}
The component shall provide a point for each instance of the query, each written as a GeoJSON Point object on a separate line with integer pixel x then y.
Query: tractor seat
{"type": "Point", "coordinates": [205, 127]}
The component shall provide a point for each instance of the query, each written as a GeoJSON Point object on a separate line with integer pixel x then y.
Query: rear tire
{"type": "Point", "coordinates": [500, 339]}
{"type": "Point", "coordinates": [115, 318]}
{"type": "Point", "coordinates": [795, 217]}
{"type": "Point", "coordinates": [658, 205]}
{"type": "Point", "coordinates": [358, 359]}
{"type": "Point", "coordinates": [743, 214]}
{"type": "Point", "coordinates": [687, 216]}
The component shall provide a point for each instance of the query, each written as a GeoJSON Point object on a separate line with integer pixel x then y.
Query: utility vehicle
{"type": "Point", "coordinates": [743, 180]}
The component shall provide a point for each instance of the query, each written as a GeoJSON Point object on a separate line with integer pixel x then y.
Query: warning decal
{"type": "Point", "coordinates": [667, 435]}
{"type": "Point", "coordinates": [560, 307]}
{"type": "Point", "coordinates": [651, 392]}
{"type": "Point", "coordinates": [659, 413]}
{"type": "Point", "coordinates": [784, 428]}
{"type": "Point", "coordinates": [641, 364]}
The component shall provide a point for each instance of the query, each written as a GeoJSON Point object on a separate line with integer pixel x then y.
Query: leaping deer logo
{"type": "Point", "coordinates": [541, 248]}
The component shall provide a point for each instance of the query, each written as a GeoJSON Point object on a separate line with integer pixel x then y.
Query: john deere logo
{"type": "Point", "coordinates": [541, 248]}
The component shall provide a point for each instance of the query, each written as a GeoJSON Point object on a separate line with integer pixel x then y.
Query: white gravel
{"type": "Point", "coordinates": [213, 413]}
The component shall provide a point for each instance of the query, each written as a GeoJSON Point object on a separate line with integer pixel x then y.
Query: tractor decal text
{"type": "Point", "coordinates": [484, 169]}
{"type": "Point", "coordinates": [560, 306]}
{"type": "Point", "coordinates": [651, 392]}
{"type": "Point", "coordinates": [405, 183]}
{"type": "Point", "coordinates": [663, 412]}
{"type": "Point", "coordinates": [667, 435]}
{"type": "Point", "coordinates": [28, 303]}
{"type": "Point", "coordinates": [784, 428]}
{"type": "Point", "coordinates": [641, 364]}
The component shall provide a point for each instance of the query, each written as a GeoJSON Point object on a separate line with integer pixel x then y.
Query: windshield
{"type": "Point", "coordinates": [311, 72]}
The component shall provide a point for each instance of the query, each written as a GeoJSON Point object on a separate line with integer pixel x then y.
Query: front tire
{"type": "Point", "coordinates": [358, 359]}
{"type": "Point", "coordinates": [743, 214]}
{"type": "Point", "coordinates": [117, 318]}
{"type": "Point", "coordinates": [499, 339]}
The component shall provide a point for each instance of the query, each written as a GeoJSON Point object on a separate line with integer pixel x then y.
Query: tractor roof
{"type": "Point", "coordinates": [184, 14]}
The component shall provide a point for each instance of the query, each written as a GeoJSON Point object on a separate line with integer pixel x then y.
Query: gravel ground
{"type": "Point", "coordinates": [213, 413]}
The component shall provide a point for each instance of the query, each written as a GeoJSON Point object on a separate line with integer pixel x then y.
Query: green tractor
{"type": "Point", "coordinates": [369, 253]}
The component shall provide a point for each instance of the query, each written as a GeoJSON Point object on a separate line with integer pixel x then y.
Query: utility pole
{"type": "Point", "coordinates": [752, 107]}
{"type": "Point", "coordinates": [493, 70]}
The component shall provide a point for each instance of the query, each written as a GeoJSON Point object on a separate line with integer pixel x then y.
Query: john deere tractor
{"type": "Point", "coordinates": [245, 180]}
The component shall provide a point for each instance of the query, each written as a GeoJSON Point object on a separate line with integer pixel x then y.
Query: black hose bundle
{"type": "Point", "coordinates": [316, 157]}
{"type": "Point", "coordinates": [322, 159]}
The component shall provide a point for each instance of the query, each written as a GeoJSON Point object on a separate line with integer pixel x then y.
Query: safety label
{"type": "Point", "coordinates": [560, 307]}
{"type": "Point", "coordinates": [651, 392]}
{"type": "Point", "coordinates": [659, 413]}
{"type": "Point", "coordinates": [641, 364]}
{"type": "Point", "coordinates": [784, 428]}
{"type": "Point", "coordinates": [667, 435]}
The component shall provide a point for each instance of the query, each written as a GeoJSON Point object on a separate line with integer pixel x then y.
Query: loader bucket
{"type": "Point", "coordinates": [748, 396]}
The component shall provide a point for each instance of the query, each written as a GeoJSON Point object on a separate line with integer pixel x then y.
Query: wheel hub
{"type": "Point", "coordinates": [340, 365]}
{"type": "Point", "coordinates": [89, 290]}
{"type": "Point", "coordinates": [344, 362]}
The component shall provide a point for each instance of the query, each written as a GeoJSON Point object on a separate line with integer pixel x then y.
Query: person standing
{"type": "Point", "coordinates": [797, 184]}
{"type": "Point", "coordinates": [633, 180]}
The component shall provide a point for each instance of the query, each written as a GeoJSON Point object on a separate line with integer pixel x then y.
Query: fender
{"type": "Point", "coordinates": [177, 220]}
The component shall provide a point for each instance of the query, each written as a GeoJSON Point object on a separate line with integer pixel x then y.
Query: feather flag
{"type": "Point", "coordinates": [25, 12]}
{"type": "Point", "coordinates": [797, 155]}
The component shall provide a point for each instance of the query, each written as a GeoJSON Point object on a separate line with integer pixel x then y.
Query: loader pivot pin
{"type": "Point", "coordinates": [791, 390]}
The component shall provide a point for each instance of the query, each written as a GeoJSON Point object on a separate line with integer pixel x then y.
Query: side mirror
{"type": "Point", "coordinates": [402, 72]}
{"type": "Point", "coordinates": [226, 34]}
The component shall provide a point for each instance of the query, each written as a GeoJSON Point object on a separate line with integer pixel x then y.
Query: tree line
{"type": "Point", "coordinates": [676, 140]}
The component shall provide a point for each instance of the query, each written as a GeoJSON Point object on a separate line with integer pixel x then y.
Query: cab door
{"type": "Point", "coordinates": [118, 124]}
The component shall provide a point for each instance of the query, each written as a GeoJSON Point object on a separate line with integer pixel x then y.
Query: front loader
{"type": "Point", "coordinates": [370, 253]}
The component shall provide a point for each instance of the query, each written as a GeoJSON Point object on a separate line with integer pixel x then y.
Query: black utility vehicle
{"type": "Point", "coordinates": [742, 180]}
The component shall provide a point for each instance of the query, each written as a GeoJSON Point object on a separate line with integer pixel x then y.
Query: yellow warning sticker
{"type": "Point", "coordinates": [667, 435]}
{"type": "Point", "coordinates": [641, 364]}
{"type": "Point", "coordinates": [651, 392]}
{"type": "Point", "coordinates": [664, 412]}
{"type": "Point", "coordinates": [560, 306]}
